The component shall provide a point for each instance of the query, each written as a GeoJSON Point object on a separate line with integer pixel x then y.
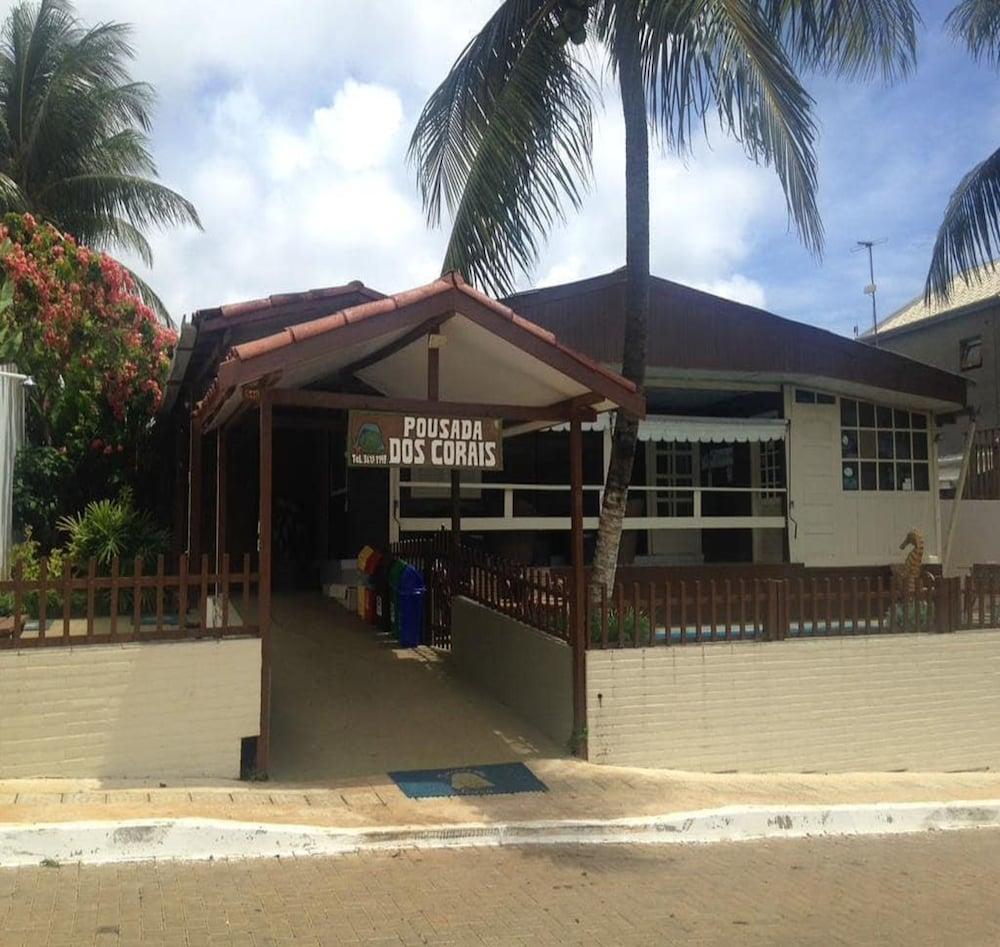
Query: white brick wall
{"type": "Point", "coordinates": [916, 702]}
{"type": "Point", "coordinates": [171, 709]}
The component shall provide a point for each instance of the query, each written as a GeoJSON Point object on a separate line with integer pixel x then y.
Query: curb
{"type": "Point", "coordinates": [102, 843]}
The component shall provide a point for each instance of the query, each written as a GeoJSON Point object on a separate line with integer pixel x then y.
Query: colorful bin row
{"type": "Point", "coordinates": [391, 594]}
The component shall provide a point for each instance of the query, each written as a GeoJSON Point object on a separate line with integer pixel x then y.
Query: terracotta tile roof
{"type": "Point", "coordinates": [451, 282]}
{"type": "Point", "coordinates": [983, 285]}
{"type": "Point", "coordinates": [252, 307]}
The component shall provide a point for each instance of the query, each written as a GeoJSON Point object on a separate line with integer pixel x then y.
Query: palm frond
{"type": "Point", "coordinates": [73, 129]}
{"type": "Point", "coordinates": [11, 198]}
{"type": "Point", "coordinates": [142, 202]}
{"type": "Point", "coordinates": [151, 299]}
{"type": "Point", "coordinates": [116, 232]}
{"type": "Point", "coordinates": [858, 39]}
{"type": "Point", "coordinates": [977, 24]}
{"type": "Point", "coordinates": [969, 236]}
{"type": "Point", "coordinates": [504, 142]}
{"type": "Point", "coordinates": [721, 54]}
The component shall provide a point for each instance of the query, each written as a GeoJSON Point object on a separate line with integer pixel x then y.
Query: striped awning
{"type": "Point", "coordinates": [670, 427]}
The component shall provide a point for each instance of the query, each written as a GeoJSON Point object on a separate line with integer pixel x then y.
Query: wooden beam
{"type": "Point", "coordinates": [433, 374]}
{"type": "Point", "coordinates": [315, 346]}
{"type": "Point", "coordinates": [336, 401]}
{"type": "Point", "coordinates": [558, 357]}
{"type": "Point", "coordinates": [578, 631]}
{"type": "Point", "coordinates": [264, 588]}
{"type": "Point", "coordinates": [408, 338]}
{"type": "Point", "coordinates": [970, 438]}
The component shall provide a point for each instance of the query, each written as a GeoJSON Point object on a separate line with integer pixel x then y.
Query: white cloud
{"type": "Point", "coordinates": [287, 127]}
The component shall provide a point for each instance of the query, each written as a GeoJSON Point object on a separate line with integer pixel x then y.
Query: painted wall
{"type": "Point", "coordinates": [938, 342]}
{"type": "Point", "coordinates": [977, 533]}
{"type": "Point", "coordinates": [167, 710]}
{"type": "Point", "coordinates": [522, 667]}
{"type": "Point", "coordinates": [916, 702]}
{"type": "Point", "coordinates": [831, 526]}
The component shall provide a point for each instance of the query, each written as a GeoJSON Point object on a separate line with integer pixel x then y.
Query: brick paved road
{"type": "Point", "coordinates": [914, 890]}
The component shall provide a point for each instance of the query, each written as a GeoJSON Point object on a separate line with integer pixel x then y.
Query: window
{"type": "Point", "coordinates": [675, 468]}
{"type": "Point", "coordinates": [883, 449]}
{"type": "Point", "coordinates": [970, 353]}
{"type": "Point", "coordinates": [772, 469]}
{"type": "Point", "coordinates": [804, 396]}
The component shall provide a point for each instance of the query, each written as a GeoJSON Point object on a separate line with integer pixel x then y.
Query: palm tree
{"type": "Point", "coordinates": [969, 235]}
{"type": "Point", "coordinates": [73, 126]}
{"type": "Point", "coordinates": [504, 143]}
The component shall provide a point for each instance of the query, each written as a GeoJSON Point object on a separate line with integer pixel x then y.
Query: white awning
{"type": "Point", "coordinates": [670, 427]}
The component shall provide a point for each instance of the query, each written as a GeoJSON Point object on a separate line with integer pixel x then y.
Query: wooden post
{"type": "Point", "coordinates": [264, 586]}
{"type": "Point", "coordinates": [194, 490]}
{"type": "Point", "coordinates": [957, 502]}
{"type": "Point", "coordinates": [181, 486]}
{"type": "Point", "coordinates": [456, 510]}
{"type": "Point", "coordinates": [578, 633]}
{"type": "Point", "coordinates": [434, 394]}
{"type": "Point", "coordinates": [323, 505]}
{"type": "Point", "coordinates": [221, 494]}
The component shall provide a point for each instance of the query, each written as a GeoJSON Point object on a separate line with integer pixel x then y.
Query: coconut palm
{"type": "Point", "coordinates": [73, 126]}
{"type": "Point", "coordinates": [969, 236]}
{"type": "Point", "coordinates": [504, 143]}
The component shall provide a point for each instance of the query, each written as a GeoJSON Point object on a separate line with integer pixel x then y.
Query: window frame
{"type": "Point", "coordinates": [882, 456]}
{"type": "Point", "coordinates": [972, 342]}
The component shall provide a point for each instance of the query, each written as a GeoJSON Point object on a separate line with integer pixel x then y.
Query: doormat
{"type": "Point", "coordinates": [492, 779]}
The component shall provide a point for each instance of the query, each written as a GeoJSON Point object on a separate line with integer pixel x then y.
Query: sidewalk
{"type": "Point", "coordinates": [576, 791]}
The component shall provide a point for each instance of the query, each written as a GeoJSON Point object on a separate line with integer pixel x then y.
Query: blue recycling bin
{"type": "Point", "coordinates": [410, 592]}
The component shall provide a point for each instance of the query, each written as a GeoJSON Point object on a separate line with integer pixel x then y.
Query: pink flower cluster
{"type": "Point", "coordinates": [98, 353]}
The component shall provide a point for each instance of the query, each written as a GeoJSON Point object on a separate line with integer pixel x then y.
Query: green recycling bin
{"type": "Point", "coordinates": [396, 571]}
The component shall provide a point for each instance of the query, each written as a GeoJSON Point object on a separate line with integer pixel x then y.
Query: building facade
{"type": "Point", "coordinates": [765, 441]}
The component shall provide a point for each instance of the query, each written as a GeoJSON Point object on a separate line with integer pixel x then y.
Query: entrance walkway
{"type": "Point", "coordinates": [345, 705]}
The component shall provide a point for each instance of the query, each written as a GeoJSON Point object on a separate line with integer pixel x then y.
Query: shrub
{"type": "Point", "coordinates": [107, 529]}
{"type": "Point", "coordinates": [27, 556]}
{"type": "Point", "coordinates": [627, 629]}
{"type": "Point", "coordinates": [99, 359]}
{"type": "Point", "coordinates": [43, 482]}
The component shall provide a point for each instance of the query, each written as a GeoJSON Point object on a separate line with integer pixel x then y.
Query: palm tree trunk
{"type": "Point", "coordinates": [636, 291]}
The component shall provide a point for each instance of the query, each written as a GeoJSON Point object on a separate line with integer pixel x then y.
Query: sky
{"type": "Point", "coordinates": [286, 123]}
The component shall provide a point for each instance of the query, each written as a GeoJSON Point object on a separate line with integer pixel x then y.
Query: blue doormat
{"type": "Point", "coordinates": [488, 780]}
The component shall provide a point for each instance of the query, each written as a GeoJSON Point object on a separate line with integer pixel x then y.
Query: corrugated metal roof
{"type": "Point", "coordinates": [982, 286]}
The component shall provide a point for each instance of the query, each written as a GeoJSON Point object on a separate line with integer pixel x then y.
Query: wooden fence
{"type": "Point", "coordinates": [535, 596]}
{"type": "Point", "coordinates": [133, 605]}
{"type": "Point", "coordinates": [704, 611]}
{"type": "Point", "coordinates": [658, 606]}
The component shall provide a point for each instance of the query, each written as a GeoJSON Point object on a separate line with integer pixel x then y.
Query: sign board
{"type": "Point", "coordinates": [381, 439]}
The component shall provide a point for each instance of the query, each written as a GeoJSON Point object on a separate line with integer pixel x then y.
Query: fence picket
{"type": "Point", "coordinates": [697, 611]}
{"type": "Point", "coordinates": [667, 619]}
{"type": "Point", "coordinates": [91, 590]}
{"type": "Point", "coordinates": [113, 619]}
{"type": "Point", "coordinates": [67, 597]}
{"type": "Point", "coordinates": [43, 595]}
{"type": "Point", "coordinates": [652, 614]}
{"type": "Point", "coordinates": [682, 609]}
{"type": "Point", "coordinates": [137, 596]}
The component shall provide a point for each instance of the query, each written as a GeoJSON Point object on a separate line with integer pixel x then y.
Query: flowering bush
{"type": "Point", "coordinates": [96, 352]}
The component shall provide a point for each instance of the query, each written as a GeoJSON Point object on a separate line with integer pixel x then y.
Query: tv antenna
{"type": "Point", "coordinates": [871, 287]}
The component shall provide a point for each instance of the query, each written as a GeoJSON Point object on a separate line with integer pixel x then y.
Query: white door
{"type": "Point", "coordinates": [814, 487]}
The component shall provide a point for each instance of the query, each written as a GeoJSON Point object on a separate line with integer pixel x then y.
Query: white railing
{"type": "Point", "coordinates": [509, 520]}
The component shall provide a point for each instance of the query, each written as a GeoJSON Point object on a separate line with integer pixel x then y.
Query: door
{"type": "Point", "coordinates": [814, 429]}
